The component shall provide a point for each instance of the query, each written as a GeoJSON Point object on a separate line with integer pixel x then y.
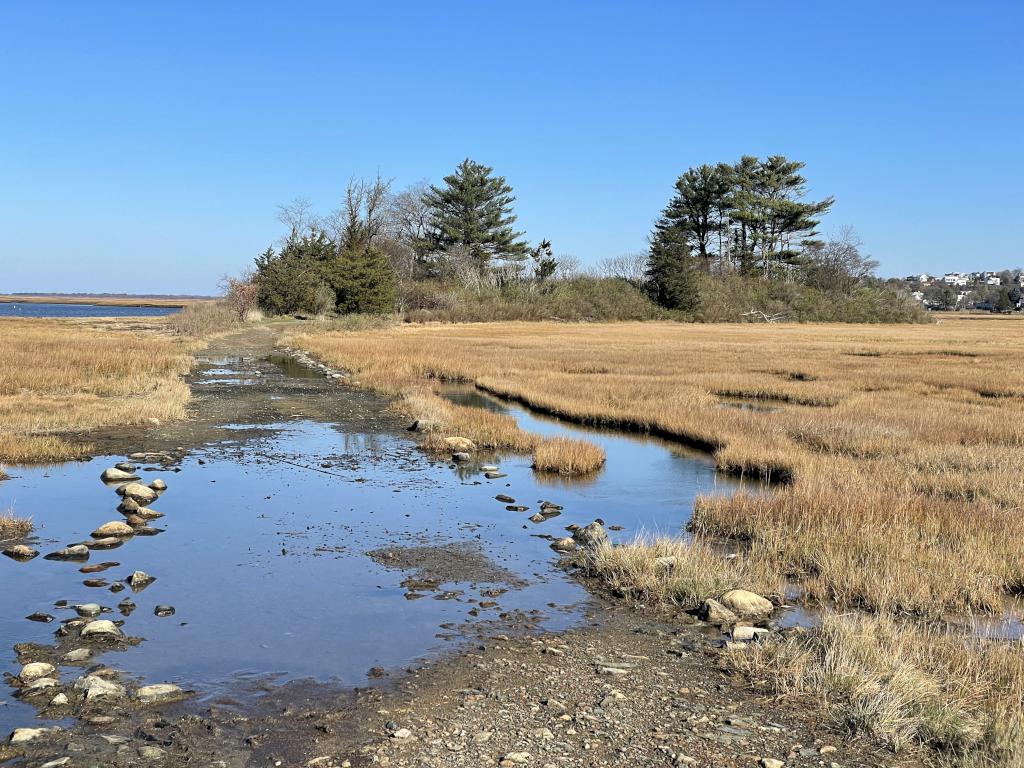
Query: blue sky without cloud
{"type": "Point", "coordinates": [145, 146]}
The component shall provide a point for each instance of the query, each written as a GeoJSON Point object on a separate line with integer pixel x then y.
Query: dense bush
{"type": "Point", "coordinates": [576, 299]}
{"type": "Point", "coordinates": [733, 298]}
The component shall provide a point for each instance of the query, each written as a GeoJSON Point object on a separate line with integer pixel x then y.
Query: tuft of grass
{"type": "Point", "coordinates": [567, 456]}
{"type": "Point", "coordinates": [671, 571]}
{"type": "Point", "coordinates": [13, 527]}
{"type": "Point", "coordinates": [906, 685]}
{"type": "Point", "coordinates": [439, 418]}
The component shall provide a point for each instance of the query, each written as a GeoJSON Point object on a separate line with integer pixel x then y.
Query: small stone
{"type": "Point", "coordinates": [568, 544]}
{"type": "Point", "coordinates": [482, 737]}
{"type": "Point", "coordinates": [461, 457]}
{"type": "Point", "coordinates": [714, 612]}
{"type": "Point", "coordinates": [746, 634]}
{"type": "Point", "coordinates": [102, 628]}
{"type": "Point", "coordinates": [113, 529]}
{"type": "Point", "coordinates": [74, 552]}
{"type": "Point", "coordinates": [88, 610]}
{"type": "Point", "coordinates": [461, 444]}
{"type": "Point", "coordinates": [60, 700]}
{"type": "Point", "coordinates": [20, 552]}
{"type": "Point", "coordinates": [401, 734]}
{"type": "Point", "coordinates": [139, 580]}
{"type": "Point", "coordinates": [537, 518]}
{"type": "Point", "coordinates": [163, 611]}
{"type": "Point", "coordinates": [149, 752]}
{"type": "Point", "coordinates": [160, 692]}
{"type": "Point", "coordinates": [77, 656]}
{"type": "Point", "coordinates": [828, 749]}
{"type": "Point", "coordinates": [591, 536]}
{"type": "Point", "coordinates": [138, 493]}
{"type": "Point", "coordinates": [516, 758]}
{"type": "Point", "coordinates": [34, 670]}
{"type": "Point", "coordinates": [770, 762]}
{"type": "Point", "coordinates": [60, 761]}
{"type": "Point", "coordinates": [505, 499]}
{"type": "Point", "coordinates": [746, 603]}
{"type": "Point", "coordinates": [158, 485]}
{"type": "Point", "coordinates": [117, 475]}
{"type": "Point", "coordinates": [96, 687]}
{"type": "Point", "coordinates": [39, 686]}
{"type": "Point", "coordinates": [22, 735]}
{"type": "Point", "coordinates": [45, 618]}
{"type": "Point", "coordinates": [494, 475]}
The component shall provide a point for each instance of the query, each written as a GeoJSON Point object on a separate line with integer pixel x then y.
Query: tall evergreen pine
{"type": "Point", "coordinates": [474, 209]}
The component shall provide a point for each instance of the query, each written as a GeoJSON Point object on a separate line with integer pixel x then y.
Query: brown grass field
{"type": "Point", "coordinates": [902, 452]}
{"type": "Point", "coordinates": [59, 378]}
{"type": "Point", "coordinates": [13, 527]}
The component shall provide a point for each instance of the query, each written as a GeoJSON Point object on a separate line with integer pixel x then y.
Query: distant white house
{"type": "Point", "coordinates": [919, 295]}
{"type": "Point", "coordinates": [956, 278]}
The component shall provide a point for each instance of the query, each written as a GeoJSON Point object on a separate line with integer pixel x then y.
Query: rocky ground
{"type": "Point", "coordinates": [632, 688]}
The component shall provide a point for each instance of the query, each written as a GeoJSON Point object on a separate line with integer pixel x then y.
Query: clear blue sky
{"type": "Point", "coordinates": [144, 146]}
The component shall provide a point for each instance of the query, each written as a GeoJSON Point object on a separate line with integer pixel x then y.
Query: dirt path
{"type": "Point", "coordinates": [631, 689]}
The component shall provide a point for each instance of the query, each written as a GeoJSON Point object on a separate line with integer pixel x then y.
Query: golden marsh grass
{"type": "Point", "coordinates": [567, 456]}
{"type": "Point", "coordinates": [902, 443]}
{"type": "Point", "coordinates": [59, 378]}
{"type": "Point", "coordinates": [14, 527]}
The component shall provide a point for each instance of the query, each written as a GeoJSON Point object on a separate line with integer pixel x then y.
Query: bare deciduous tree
{"type": "Point", "coordinates": [631, 267]}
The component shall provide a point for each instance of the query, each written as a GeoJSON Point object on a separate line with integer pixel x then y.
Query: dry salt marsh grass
{"type": "Point", "coordinates": [14, 527]}
{"type": "Point", "coordinates": [902, 448]}
{"type": "Point", "coordinates": [59, 378]}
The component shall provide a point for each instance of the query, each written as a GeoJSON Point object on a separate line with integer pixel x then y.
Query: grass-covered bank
{"type": "Point", "coordinates": [903, 449]}
{"type": "Point", "coordinates": [59, 378]}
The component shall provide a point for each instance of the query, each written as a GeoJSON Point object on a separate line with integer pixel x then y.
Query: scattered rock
{"type": "Point", "coordinates": [770, 762]}
{"type": "Point", "coordinates": [494, 475]}
{"type": "Point", "coordinates": [158, 485]}
{"type": "Point", "coordinates": [22, 735]}
{"type": "Point", "coordinates": [139, 493]}
{"type": "Point", "coordinates": [74, 552]}
{"type": "Point", "coordinates": [102, 628]}
{"type": "Point", "coordinates": [591, 536]}
{"type": "Point", "coordinates": [20, 552]}
{"type": "Point", "coordinates": [747, 603]}
{"type": "Point", "coordinates": [36, 669]}
{"type": "Point", "coordinates": [88, 610]}
{"type": "Point", "coordinates": [125, 466]}
{"type": "Point", "coordinates": [516, 508]}
{"type": "Point", "coordinates": [504, 499]}
{"type": "Point", "coordinates": [537, 518]}
{"type": "Point", "coordinates": [150, 694]}
{"type": "Point", "coordinates": [401, 734]}
{"type": "Point", "coordinates": [148, 514]}
{"type": "Point", "coordinates": [43, 684]}
{"type": "Point", "coordinates": [746, 634]}
{"type": "Point", "coordinates": [461, 457]}
{"type": "Point", "coordinates": [60, 700]}
{"type": "Point", "coordinates": [139, 580]}
{"type": "Point", "coordinates": [163, 611]}
{"type": "Point", "coordinates": [77, 656]}
{"type": "Point", "coordinates": [96, 687]}
{"type": "Point", "coordinates": [713, 612]}
{"type": "Point", "coordinates": [665, 563]}
{"type": "Point", "coordinates": [516, 758]}
{"type": "Point", "coordinates": [460, 444]}
{"type": "Point", "coordinates": [149, 752]}
{"type": "Point", "coordinates": [568, 544]}
{"type": "Point", "coordinates": [115, 528]}
{"type": "Point", "coordinates": [41, 617]}
{"type": "Point", "coordinates": [128, 506]}
{"type": "Point", "coordinates": [115, 475]}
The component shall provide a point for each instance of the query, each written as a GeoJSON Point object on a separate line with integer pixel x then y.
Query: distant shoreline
{"type": "Point", "coordinates": [102, 301]}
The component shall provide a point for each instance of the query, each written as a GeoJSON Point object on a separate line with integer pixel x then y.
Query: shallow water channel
{"type": "Point", "coordinates": [269, 529]}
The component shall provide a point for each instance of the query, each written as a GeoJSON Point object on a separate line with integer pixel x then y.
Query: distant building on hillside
{"type": "Point", "coordinates": [994, 280]}
{"type": "Point", "coordinates": [956, 278]}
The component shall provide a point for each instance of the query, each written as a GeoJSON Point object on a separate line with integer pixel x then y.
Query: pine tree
{"type": "Point", "coordinates": [671, 278]}
{"type": "Point", "coordinates": [363, 281]}
{"type": "Point", "coordinates": [474, 209]}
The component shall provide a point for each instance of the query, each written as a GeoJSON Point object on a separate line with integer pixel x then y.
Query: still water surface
{"type": "Point", "coordinates": [265, 553]}
{"type": "Point", "coordinates": [18, 309]}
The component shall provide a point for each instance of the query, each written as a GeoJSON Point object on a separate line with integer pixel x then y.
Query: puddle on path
{"type": "Point", "coordinates": [265, 556]}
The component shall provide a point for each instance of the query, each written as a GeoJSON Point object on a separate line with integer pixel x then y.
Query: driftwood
{"type": "Point", "coordinates": [765, 316]}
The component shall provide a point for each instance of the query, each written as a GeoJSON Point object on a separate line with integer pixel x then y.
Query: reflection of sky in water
{"type": "Point", "coordinates": [264, 554]}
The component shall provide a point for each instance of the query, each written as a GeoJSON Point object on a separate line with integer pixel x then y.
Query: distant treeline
{"type": "Point", "coordinates": [736, 242]}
